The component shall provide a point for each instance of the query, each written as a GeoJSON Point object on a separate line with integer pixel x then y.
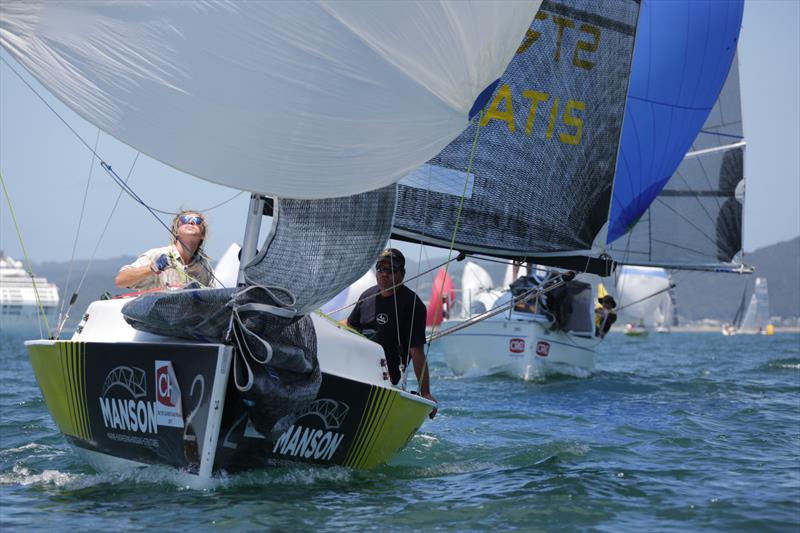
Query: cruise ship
{"type": "Point", "coordinates": [19, 309]}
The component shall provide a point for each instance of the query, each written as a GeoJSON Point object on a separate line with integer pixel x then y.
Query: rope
{"type": "Point", "coordinates": [531, 293]}
{"type": "Point", "coordinates": [64, 311]}
{"type": "Point", "coordinates": [27, 259]}
{"type": "Point", "coordinates": [456, 226]}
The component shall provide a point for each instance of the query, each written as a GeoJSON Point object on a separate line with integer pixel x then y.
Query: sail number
{"type": "Point", "coordinates": [582, 47]}
{"type": "Point", "coordinates": [560, 117]}
{"type": "Point", "coordinates": [502, 109]}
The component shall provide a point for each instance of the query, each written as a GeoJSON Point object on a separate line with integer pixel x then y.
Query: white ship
{"type": "Point", "coordinates": [19, 308]}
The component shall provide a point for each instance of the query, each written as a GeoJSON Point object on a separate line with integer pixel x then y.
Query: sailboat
{"type": "Point", "coordinates": [642, 293]}
{"type": "Point", "coordinates": [665, 314]}
{"type": "Point", "coordinates": [570, 218]}
{"type": "Point", "coordinates": [755, 320]}
{"type": "Point", "coordinates": [232, 378]}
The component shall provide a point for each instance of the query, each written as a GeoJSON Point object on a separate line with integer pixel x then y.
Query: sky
{"type": "Point", "coordinates": [45, 168]}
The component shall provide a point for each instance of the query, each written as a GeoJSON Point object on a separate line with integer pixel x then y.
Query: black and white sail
{"type": "Point", "coordinates": [695, 223]}
{"type": "Point", "coordinates": [533, 176]}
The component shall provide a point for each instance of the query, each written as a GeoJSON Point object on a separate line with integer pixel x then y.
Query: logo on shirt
{"type": "Point", "coordinates": [382, 318]}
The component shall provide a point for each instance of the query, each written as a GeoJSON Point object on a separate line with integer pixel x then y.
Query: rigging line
{"type": "Point", "coordinates": [671, 285]}
{"type": "Point", "coordinates": [61, 317]}
{"type": "Point", "coordinates": [681, 216]}
{"type": "Point", "coordinates": [27, 259]}
{"type": "Point", "coordinates": [45, 102]}
{"type": "Point", "coordinates": [105, 165]}
{"type": "Point", "coordinates": [132, 194]}
{"type": "Point", "coordinates": [205, 210]}
{"type": "Point", "coordinates": [404, 372]}
{"type": "Point", "coordinates": [395, 286]}
{"type": "Point", "coordinates": [689, 187]}
{"type": "Point", "coordinates": [97, 246]}
{"type": "Point", "coordinates": [458, 217]}
{"type": "Point", "coordinates": [533, 292]}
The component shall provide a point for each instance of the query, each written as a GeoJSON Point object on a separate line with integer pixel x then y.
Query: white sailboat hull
{"type": "Point", "coordinates": [524, 349]}
{"type": "Point", "coordinates": [124, 398]}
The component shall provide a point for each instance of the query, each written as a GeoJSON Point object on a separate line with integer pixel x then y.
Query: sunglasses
{"type": "Point", "coordinates": [190, 219]}
{"type": "Point", "coordinates": [387, 269]}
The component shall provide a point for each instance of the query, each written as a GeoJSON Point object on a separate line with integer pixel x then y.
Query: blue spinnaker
{"type": "Point", "coordinates": [682, 56]}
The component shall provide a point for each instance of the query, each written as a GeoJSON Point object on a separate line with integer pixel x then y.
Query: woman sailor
{"type": "Point", "coordinates": [176, 265]}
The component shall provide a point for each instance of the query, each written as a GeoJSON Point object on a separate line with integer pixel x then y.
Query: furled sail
{"type": "Point", "coordinates": [682, 58]}
{"type": "Point", "coordinates": [289, 99]}
{"type": "Point", "coordinates": [695, 222]}
{"type": "Point", "coordinates": [539, 181]}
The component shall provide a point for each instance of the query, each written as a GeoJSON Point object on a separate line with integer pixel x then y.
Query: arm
{"type": "Point", "coordinates": [132, 276]}
{"type": "Point", "coordinates": [135, 274]}
{"type": "Point", "coordinates": [421, 371]}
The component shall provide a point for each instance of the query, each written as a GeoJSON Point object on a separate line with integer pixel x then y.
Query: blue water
{"type": "Point", "coordinates": [677, 432]}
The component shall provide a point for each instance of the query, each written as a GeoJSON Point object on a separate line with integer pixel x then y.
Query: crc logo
{"type": "Point", "coordinates": [542, 348]}
{"type": "Point", "coordinates": [516, 345]}
{"type": "Point", "coordinates": [382, 319]}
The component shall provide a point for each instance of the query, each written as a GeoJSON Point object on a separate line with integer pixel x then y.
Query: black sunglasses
{"type": "Point", "coordinates": [387, 269]}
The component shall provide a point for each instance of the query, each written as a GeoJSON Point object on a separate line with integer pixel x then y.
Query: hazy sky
{"type": "Point", "coordinates": [45, 168]}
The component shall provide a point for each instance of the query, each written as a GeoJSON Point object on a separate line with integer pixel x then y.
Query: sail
{"type": "Point", "coordinates": [539, 181]}
{"type": "Point", "coordinates": [340, 306]}
{"type": "Point", "coordinates": [442, 299]}
{"type": "Point", "coordinates": [474, 281]}
{"type": "Point", "coordinates": [289, 99]}
{"type": "Point", "coordinates": [641, 291]}
{"type": "Point", "coordinates": [756, 318]}
{"type": "Point", "coordinates": [696, 221]}
{"type": "Point", "coordinates": [683, 56]}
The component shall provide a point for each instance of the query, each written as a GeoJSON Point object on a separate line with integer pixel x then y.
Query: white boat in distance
{"type": "Point", "coordinates": [20, 310]}
{"type": "Point", "coordinates": [523, 342]}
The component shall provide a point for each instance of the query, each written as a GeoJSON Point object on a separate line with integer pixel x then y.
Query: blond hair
{"type": "Point", "coordinates": [204, 226]}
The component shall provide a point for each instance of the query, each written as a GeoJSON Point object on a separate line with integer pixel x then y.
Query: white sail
{"type": "Point", "coordinates": [291, 99]}
{"type": "Point", "coordinates": [639, 294]}
{"type": "Point", "coordinates": [474, 280]}
{"type": "Point", "coordinates": [756, 318]}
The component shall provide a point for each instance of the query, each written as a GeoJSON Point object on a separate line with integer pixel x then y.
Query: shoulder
{"type": "Point", "coordinates": [372, 291]}
{"type": "Point", "coordinates": [410, 295]}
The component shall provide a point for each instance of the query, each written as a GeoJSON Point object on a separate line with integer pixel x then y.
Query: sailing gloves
{"type": "Point", "coordinates": [160, 264]}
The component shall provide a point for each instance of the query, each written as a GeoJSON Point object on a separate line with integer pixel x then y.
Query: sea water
{"type": "Point", "coordinates": [673, 432]}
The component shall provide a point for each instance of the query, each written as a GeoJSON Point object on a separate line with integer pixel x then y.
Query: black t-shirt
{"type": "Point", "coordinates": [374, 316]}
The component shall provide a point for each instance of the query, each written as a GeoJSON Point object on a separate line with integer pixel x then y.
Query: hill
{"type": "Point", "coordinates": [699, 295]}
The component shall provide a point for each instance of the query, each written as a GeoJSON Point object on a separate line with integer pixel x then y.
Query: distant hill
{"type": "Point", "coordinates": [705, 295]}
{"type": "Point", "coordinates": [699, 295]}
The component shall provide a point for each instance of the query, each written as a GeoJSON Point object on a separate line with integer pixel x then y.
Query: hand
{"type": "Point", "coordinates": [159, 264]}
{"type": "Point", "coordinates": [430, 397]}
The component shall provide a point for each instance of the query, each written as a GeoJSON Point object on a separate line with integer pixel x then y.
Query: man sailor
{"type": "Point", "coordinates": [176, 265]}
{"type": "Point", "coordinates": [392, 315]}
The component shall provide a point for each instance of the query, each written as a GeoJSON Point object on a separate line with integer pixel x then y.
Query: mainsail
{"type": "Point", "coordinates": [695, 222]}
{"type": "Point", "coordinates": [672, 208]}
{"type": "Point", "coordinates": [539, 180]}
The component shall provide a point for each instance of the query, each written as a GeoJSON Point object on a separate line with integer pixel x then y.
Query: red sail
{"type": "Point", "coordinates": [442, 298]}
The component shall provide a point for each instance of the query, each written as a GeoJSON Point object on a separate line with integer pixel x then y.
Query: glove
{"type": "Point", "coordinates": [160, 264]}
